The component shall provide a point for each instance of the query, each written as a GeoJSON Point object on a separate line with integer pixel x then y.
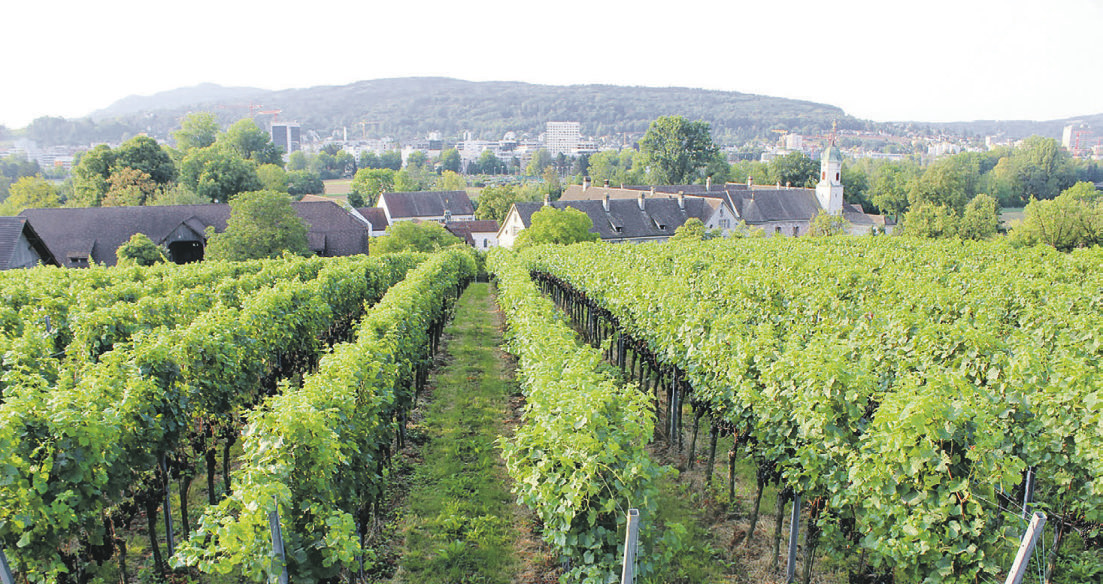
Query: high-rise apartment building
{"type": "Point", "coordinates": [287, 136]}
{"type": "Point", "coordinates": [562, 137]}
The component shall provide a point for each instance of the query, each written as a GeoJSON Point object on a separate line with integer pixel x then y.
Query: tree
{"type": "Point", "coordinates": [451, 181]}
{"type": "Point", "coordinates": [144, 154]}
{"type": "Point", "coordinates": [262, 224]}
{"type": "Point", "coordinates": [856, 187]}
{"type": "Point", "coordinates": [90, 176]}
{"type": "Point", "coordinates": [272, 178]}
{"type": "Point", "coordinates": [197, 130]}
{"type": "Point", "coordinates": [540, 160]}
{"type": "Point", "coordinates": [304, 182]}
{"type": "Point", "coordinates": [550, 225]}
{"type": "Point", "coordinates": [889, 191]}
{"type": "Point", "coordinates": [930, 220]}
{"type": "Point", "coordinates": [616, 167]}
{"type": "Point", "coordinates": [29, 192]}
{"type": "Point", "coordinates": [178, 194]}
{"type": "Point", "coordinates": [981, 218]}
{"type": "Point", "coordinates": [391, 159]}
{"type": "Point", "coordinates": [1074, 219]}
{"type": "Point", "coordinates": [139, 250]}
{"type": "Point", "coordinates": [948, 182]}
{"type": "Point", "coordinates": [552, 186]}
{"type": "Point", "coordinates": [794, 169]}
{"type": "Point", "coordinates": [297, 161]}
{"type": "Point", "coordinates": [494, 202]}
{"type": "Point", "coordinates": [369, 183]}
{"type": "Point", "coordinates": [410, 236]}
{"type": "Point", "coordinates": [488, 163]}
{"type": "Point", "coordinates": [694, 230]}
{"type": "Point", "coordinates": [827, 225]}
{"type": "Point", "coordinates": [450, 161]}
{"type": "Point", "coordinates": [412, 179]}
{"type": "Point", "coordinates": [130, 187]}
{"type": "Point", "coordinates": [675, 150]}
{"type": "Point", "coordinates": [417, 159]}
{"type": "Point", "coordinates": [246, 139]}
{"type": "Point", "coordinates": [218, 174]}
{"type": "Point", "coordinates": [759, 172]}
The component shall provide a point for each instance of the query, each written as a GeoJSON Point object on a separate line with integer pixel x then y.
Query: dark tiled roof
{"type": "Point", "coordinates": [773, 204]}
{"type": "Point", "coordinates": [427, 204]}
{"type": "Point", "coordinates": [376, 216]}
{"type": "Point", "coordinates": [11, 228]}
{"type": "Point", "coordinates": [624, 220]}
{"type": "Point", "coordinates": [464, 229]}
{"type": "Point", "coordinates": [93, 234]}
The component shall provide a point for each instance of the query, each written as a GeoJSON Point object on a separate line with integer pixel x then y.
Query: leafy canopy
{"type": "Point", "coordinates": [675, 150]}
{"type": "Point", "coordinates": [410, 236]}
{"type": "Point", "coordinates": [550, 225]}
{"type": "Point", "coordinates": [139, 250]}
{"type": "Point", "coordinates": [262, 224]}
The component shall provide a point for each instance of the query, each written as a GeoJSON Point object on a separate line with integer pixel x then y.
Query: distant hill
{"type": "Point", "coordinates": [183, 98]}
{"type": "Point", "coordinates": [408, 108]}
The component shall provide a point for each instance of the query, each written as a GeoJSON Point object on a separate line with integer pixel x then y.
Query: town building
{"type": "Point", "coordinates": [287, 136]}
{"type": "Point", "coordinates": [562, 138]}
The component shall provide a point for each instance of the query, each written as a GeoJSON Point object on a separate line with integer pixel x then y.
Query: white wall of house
{"type": "Point", "coordinates": [512, 225]}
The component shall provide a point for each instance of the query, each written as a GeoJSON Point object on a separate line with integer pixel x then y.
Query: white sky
{"type": "Point", "coordinates": [934, 60]}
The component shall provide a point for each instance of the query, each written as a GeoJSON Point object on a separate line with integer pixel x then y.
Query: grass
{"type": "Point", "coordinates": [459, 525]}
{"type": "Point", "coordinates": [338, 186]}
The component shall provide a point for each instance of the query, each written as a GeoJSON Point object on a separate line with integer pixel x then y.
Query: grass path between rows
{"type": "Point", "coordinates": [460, 522]}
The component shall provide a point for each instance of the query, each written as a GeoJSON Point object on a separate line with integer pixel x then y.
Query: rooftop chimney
{"type": "Point", "coordinates": [681, 200]}
{"type": "Point", "coordinates": [708, 183]}
{"type": "Point", "coordinates": [652, 190]}
{"type": "Point", "coordinates": [750, 181]}
{"type": "Point", "coordinates": [605, 203]}
{"type": "Point", "coordinates": [606, 183]}
{"type": "Point", "coordinates": [546, 200]}
{"type": "Point", "coordinates": [641, 200]}
{"type": "Point", "coordinates": [779, 184]}
{"type": "Point", "coordinates": [585, 184]}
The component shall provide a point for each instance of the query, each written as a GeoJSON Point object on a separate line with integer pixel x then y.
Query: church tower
{"type": "Point", "coordinates": [829, 191]}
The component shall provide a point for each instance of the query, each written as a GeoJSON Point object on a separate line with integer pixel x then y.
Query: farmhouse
{"type": "Point", "coordinates": [79, 237]}
{"type": "Point", "coordinates": [623, 220]}
{"type": "Point", "coordinates": [20, 245]}
{"type": "Point", "coordinates": [776, 209]}
{"type": "Point", "coordinates": [439, 206]}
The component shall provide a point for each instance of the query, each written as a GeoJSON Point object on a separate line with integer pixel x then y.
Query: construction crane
{"type": "Point", "coordinates": [274, 113]}
{"type": "Point", "coordinates": [364, 127]}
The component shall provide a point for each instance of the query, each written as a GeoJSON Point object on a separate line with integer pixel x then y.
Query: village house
{"type": "Point", "coordinates": [439, 206]}
{"type": "Point", "coordinates": [479, 234]}
{"type": "Point", "coordinates": [623, 220]}
{"type": "Point", "coordinates": [775, 209]}
{"type": "Point", "coordinates": [79, 237]}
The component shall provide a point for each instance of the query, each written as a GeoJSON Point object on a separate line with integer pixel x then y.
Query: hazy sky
{"type": "Point", "coordinates": [934, 60]}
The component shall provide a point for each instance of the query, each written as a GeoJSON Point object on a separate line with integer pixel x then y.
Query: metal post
{"type": "Point", "coordinates": [1028, 492]}
{"type": "Point", "coordinates": [169, 539]}
{"type": "Point", "coordinates": [5, 571]}
{"type": "Point", "coordinates": [277, 539]}
{"type": "Point", "coordinates": [1018, 568]}
{"type": "Point", "coordinates": [631, 542]}
{"type": "Point", "coordinates": [794, 531]}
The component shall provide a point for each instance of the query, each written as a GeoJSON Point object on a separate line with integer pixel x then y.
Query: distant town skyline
{"type": "Point", "coordinates": [936, 61]}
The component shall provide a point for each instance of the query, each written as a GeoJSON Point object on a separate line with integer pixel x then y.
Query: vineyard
{"type": "Point", "coordinates": [900, 391]}
{"type": "Point", "coordinates": [120, 383]}
{"type": "Point", "coordinates": [912, 401]}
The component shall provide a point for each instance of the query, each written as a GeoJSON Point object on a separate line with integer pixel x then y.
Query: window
{"type": "Point", "coordinates": [777, 230]}
{"type": "Point", "coordinates": [796, 231]}
{"type": "Point", "coordinates": [485, 242]}
{"type": "Point", "coordinates": [724, 223]}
